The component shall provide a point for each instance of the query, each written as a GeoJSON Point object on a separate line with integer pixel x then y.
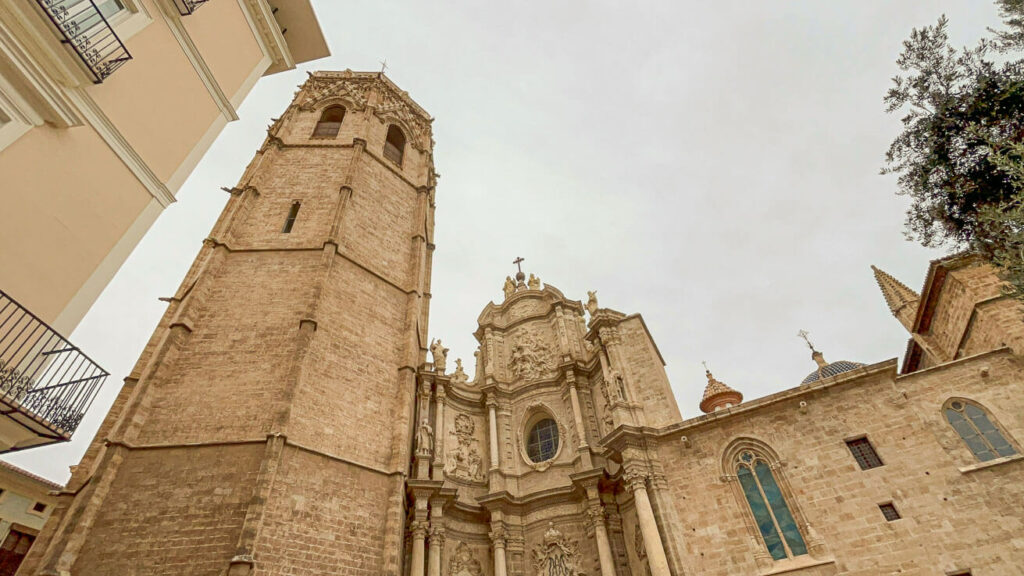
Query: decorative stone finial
{"type": "Point", "coordinates": [717, 395]}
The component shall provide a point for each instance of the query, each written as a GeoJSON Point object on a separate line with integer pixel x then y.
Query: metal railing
{"type": "Point", "coordinates": [88, 33]}
{"type": "Point", "coordinates": [42, 375]}
{"type": "Point", "coordinates": [186, 7]}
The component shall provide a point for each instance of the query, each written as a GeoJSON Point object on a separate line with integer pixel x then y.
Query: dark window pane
{"type": "Point", "coordinates": [542, 442]}
{"type": "Point", "coordinates": [761, 515]}
{"type": "Point", "coordinates": [864, 453]}
{"type": "Point", "coordinates": [779, 508]}
{"type": "Point", "coordinates": [889, 511]}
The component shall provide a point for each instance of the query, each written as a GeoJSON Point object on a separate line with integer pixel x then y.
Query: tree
{"type": "Point", "coordinates": [964, 115]}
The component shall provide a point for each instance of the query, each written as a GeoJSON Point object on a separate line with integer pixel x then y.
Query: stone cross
{"type": "Point", "coordinates": [519, 263]}
{"type": "Point", "coordinates": [803, 334]}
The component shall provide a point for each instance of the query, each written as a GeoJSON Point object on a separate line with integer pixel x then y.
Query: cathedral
{"type": "Point", "coordinates": [292, 415]}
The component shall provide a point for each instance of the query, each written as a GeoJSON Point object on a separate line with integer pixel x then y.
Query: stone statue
{"type": "Point", "coordinates": [533, 282]}
{"type": "Point", "coordinates": [592, 302]}
{"type": "Point", "coordinates": [509, 288]}
{"type": "Point", "coordinates": [425, 438]}
{"type": "Point", "coordinates": [460, 376]}
{"type": "Point", "coordinates": [440, 354]}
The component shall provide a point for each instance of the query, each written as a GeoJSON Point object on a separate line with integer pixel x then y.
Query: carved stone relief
{"type": "Point", "coordinates": [530, 357]}
{"type": "Point", "coordinates": [463, 460]}
{"type": "Point", "coordinates": [463, 563]}
{"type": "Point", "coordinates": [557, 556]}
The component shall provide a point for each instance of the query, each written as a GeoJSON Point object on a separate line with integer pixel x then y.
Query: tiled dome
{"type": "Point", "coordinates": [829, 370]}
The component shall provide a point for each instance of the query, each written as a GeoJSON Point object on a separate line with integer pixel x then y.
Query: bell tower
{"type": "Point", "coordinates": [268, 426]}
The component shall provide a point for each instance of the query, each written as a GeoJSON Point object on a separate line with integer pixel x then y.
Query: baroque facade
{"type": "Point", "coordinates": [285, 419]}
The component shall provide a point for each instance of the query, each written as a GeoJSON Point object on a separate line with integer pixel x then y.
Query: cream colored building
{"type": "Point", "coordinates": [301, 429]}
{"type": "Point", "coordinates": [26, 501]}
{"type": "Point", "coordinates": [106, 106]}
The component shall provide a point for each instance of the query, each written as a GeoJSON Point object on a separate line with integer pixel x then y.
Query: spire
{"type": "Point", "coordinates": [717, 395]}
{"type": "Point", "coordinates": [902, 301]}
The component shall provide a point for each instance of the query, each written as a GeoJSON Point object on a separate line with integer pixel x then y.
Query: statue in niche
{"type": "Point", "coordinates": [592, 302]}
{"type": "Point", "coordinates": [440, 354]}
{"type": "Point", "coordinates": [530, 358]}
{"type": "Point", "coordinates": [425, 438]}
{"type": "Point", "coordinates": [509, 288]}
{"type": "Point", "coordinates": [533, 283]}
{"type": "Point", "coordinates": [460, 376]}
{"type": "Point", "coordinates": [558, 556]}
{"type": "Point", "coordinates": [620, 385]}
{"type": "Point", "coordinates": [463, 563]}
{"type": "Point", "coordinates": [463, 460]}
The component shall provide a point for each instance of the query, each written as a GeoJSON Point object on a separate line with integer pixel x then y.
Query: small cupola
{"type": "Point", "coordinates": [717, 395]}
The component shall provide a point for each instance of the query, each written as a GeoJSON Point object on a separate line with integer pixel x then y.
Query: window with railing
{"type": "Point", "coordinates": [186, 7]}
{"type": "Point", "coordinates": [44, 379]}
{"type": "Point", "coordinates": [84, 27]}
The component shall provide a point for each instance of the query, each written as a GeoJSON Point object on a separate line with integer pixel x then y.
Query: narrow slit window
{"type": "Point", "coordinates": [289, 222]}
{"type": "Point", "coordinates": [39, 507]}
{"type": "Point", "coordinates": [329, 123]}
{"type": "Point", "coordinates": [864, 453]}
{"type": "Point", "coordinates": [889, 511]}
{"type": "Point", "coordinates": [394, 145]}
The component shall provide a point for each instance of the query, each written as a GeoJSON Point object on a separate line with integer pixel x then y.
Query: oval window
{"type": "Point", "coordinates": [542, 443]}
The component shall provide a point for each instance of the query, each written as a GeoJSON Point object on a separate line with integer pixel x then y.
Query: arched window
{"type": "Point", "coordinates": [394, 145]}
{"type": "Point", "coordinates": [977, 430]}
{"type": "Point", "coordinates": [775, 520]}
{"type": "Point", "coordinates": [542, 443]}
{"type": "Point", "coordinates": [330, 122]}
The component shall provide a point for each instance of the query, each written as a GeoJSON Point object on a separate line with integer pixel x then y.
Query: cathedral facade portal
{"type": "Point", "coordinates": [285, 418]}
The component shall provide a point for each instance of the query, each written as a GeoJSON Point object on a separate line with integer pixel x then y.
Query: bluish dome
{"type": "Point", "coordinates": [829, 370]}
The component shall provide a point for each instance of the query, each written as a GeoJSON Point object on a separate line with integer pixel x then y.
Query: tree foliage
{"type": "Point", "coordinates": [962, 125]}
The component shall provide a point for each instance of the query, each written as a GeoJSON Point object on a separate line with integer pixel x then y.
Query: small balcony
{"type": "Point", "coordinates": [46, 383]}
{"type": "Point", "coordinates": [86, 31]}
{"type": "Point", "coordinates": [186, 7]}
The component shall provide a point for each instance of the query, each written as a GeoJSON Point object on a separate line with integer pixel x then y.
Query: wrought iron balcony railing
{"type": "Point", "coordinates": [46, 383]}
{"type": "Point", "coordinates": [186, 7]}
{"type": "Point", "coordinates": [88, 33]}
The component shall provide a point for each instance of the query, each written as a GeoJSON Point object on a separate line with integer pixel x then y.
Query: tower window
{"type": "Point", "coordinates": [889, 511]}
{"type": "Point", "coordinates": [39, 507]}
{"type": "Point", "coordinates": [542, 443]}
{"type": "Point", "coordinates": [977, 430]}
{"type": "Point", "coordinates": [771, 513]}
{"type": "Point", "coordinates": [293, 213]}
{"type": "Point", "coordinates": [394, 145]}
{"type": "Point", "coordinates": [330, 122]}
{"type": "Point", "coordinates": [864, 453]}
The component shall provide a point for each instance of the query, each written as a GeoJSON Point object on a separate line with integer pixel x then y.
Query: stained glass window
{"type": "Point", "coordinates": [771, 513]}
{"type": "Point", "coordinates": [978, 431]}
{"type": "Point", "coordinates": [542, 443]}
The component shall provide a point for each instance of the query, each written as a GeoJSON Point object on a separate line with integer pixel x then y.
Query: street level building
{"type": "Point", "coordinates": [26, 501]}
{"type": "Point", "coordinates": [106, 106]}
{"type": "Point", "coordinates": [284, 418]}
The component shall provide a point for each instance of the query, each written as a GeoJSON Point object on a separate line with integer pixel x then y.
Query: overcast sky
{"type": "Point", "coordinates": [711, 165]}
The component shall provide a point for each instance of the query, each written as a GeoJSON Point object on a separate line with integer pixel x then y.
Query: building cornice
{"type": "Point", "coordinates": [260, 17]}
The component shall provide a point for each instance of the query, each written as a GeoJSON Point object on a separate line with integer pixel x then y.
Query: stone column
{"type": "Point", "coordinates": [419, 533]}
{"type": "Point", "coordinates": [492, 422]}
{"type": "Point", "coordinates": [498, 541]}
{"type": "Point", "coordinates": [436, 546]}
{"type": "Point", "coordinates": [577, 415]}
{"type": "Point", "coordinates": [604, 547]}
{"type": "Point", "coordinates": [637, 484]}
{"type": "Point", "coordinates": [439, 433]}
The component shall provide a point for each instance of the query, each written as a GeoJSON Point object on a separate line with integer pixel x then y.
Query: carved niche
{"type": "Point", "coordinates": [530, 357]}
{"type": "Point", "coordinates": [558, 556]}
{"type": "Point", "coordinates": [463, 460]}
{"type": "Point", "coordinates": [463, 563]}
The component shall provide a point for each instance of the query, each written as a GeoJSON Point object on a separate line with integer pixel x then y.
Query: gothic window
{"type": "Point", "coordinates": [864, 453]}
{"type": "Point", "coordinates": [293, 213]}
{"type": "Point", "coordinates": [771, 513]}
{"type": "Point", "coordinates": [329, 123]}
{"type": "Point", "coordinates": [394, 145]}
{"type": "Point", "coordinates": [542, 442]}
{"type": "Point", "coordinates": [977, 430]}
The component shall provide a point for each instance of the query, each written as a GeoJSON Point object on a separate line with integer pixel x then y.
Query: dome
{"type": "Point", "coordinates": [718, 395]}
{"type": "Point", "coordinates": [831, 369]}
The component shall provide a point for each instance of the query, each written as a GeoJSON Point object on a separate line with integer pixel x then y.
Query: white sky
{"type": "Point", "coordinates": [711, 165]}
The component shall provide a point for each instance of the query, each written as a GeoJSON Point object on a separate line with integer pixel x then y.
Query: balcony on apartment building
{"type": "Point", "coordinates": [46, 383]}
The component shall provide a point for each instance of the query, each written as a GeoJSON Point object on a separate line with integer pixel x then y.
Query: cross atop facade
{"type": "Point", "coordinates": [383, 65]}
{"type": "Point", "coordinates": [803, 334]}
{"type": "Point", "coordinates": [519, 263]}
{"type": "Point", "coordinates": [706, 369]}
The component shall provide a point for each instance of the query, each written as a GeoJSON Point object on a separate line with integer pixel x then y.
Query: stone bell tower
{"type": "Point", "coordinates": [268, 426]}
